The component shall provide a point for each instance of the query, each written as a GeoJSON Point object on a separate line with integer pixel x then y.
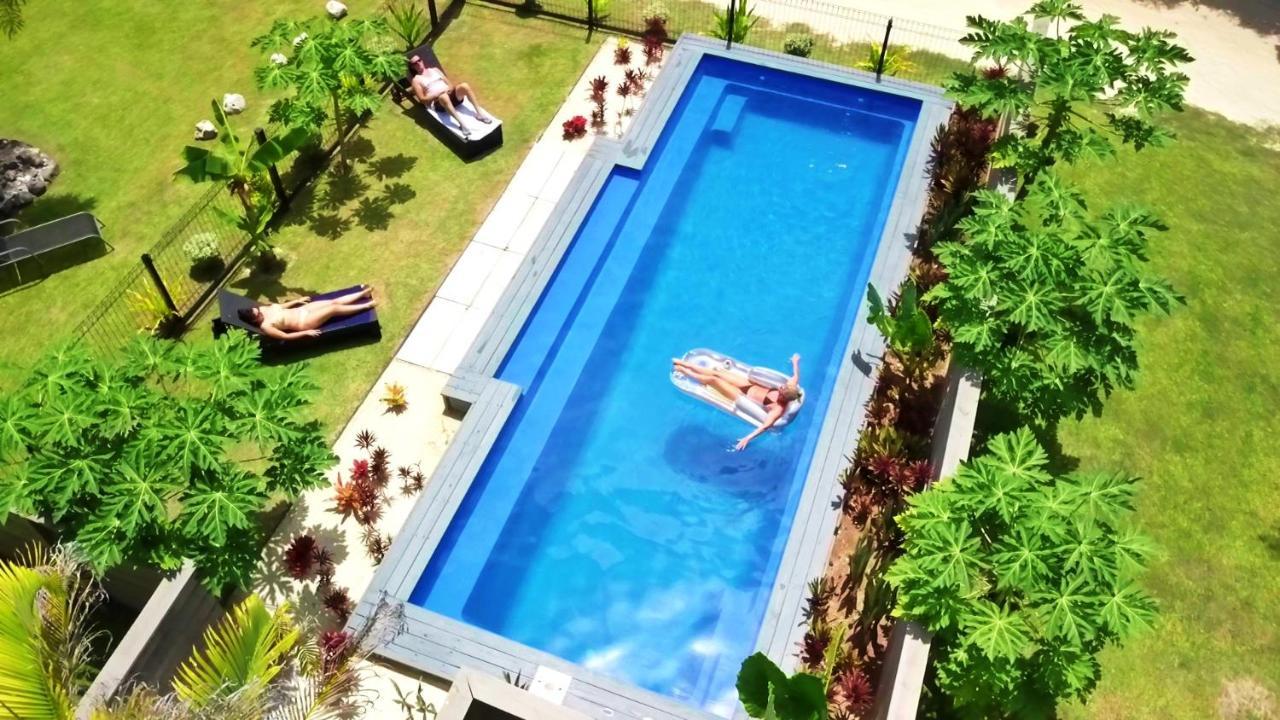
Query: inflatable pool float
{"type": "Point", "coordinates": [744, 407]}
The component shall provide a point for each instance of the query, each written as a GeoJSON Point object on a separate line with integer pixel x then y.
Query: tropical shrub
{"type": "Point", "coordinates": [333, 68]}
{"type": "Point", "coordinates": [744, 18]}
{"type": "Point", "coordinates": [1074, 92]}
{"type": "Point", "coordinates": [1044, 298]}
{"type": "Point", "coordinates": [166, 454]}
{"type": "Point", "coordinates": [907, 329]}
{"type": "Point", "coordinates": [798, 44]}
{"type": "Point", "coordinates": [1023, 577]}
{"type": "Point", "coordinates": [895, 63]}
{"type": "Point", "coordinates": [256, 663]}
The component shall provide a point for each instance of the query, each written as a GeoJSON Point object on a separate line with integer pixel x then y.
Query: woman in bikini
{"type": "Point", "coordinates": [733, 385]}
{"type": "Point", "coordinates": [431, 86]}
{"type": "Point", "coordinates": [303, 318]}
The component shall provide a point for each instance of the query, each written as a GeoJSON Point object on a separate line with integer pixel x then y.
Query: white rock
{"type": "Point", "coordinates": [279, 59]}
{"type": "Point", "coordinates": [336, 9]}
{"type": "Point", "coordinates": [233, 103]}
{"type": "Point", "coordinates": [205, 130]}
{"type": "Point", "coordinates": [298, 40]}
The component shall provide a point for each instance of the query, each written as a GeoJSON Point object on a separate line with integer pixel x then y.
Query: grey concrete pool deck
{"type": "Point", "coordinates": [441, 646]}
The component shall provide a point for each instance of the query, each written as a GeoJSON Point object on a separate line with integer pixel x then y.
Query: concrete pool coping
{"type": "Point", "coordinates": [440, 645]}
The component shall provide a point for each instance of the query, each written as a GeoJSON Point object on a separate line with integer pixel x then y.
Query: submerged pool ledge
{"type": "Point", "coordinates": [440, 645]}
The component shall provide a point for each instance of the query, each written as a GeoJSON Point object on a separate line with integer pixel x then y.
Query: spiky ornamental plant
{"type": "Point", "coordinates": [334, 69]}
{"type": "Point", "coordinates": [1023, 577]}
{"type": "Point", "coordinates": [166, 454]}
{"type": "Point", "coordinates": [1044, 298]}
{"type": "Point", "coordinates": [1074, 92]}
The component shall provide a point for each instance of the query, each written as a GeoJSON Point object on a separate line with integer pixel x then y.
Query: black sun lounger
{"type": "Point", "coordinates": [364, 323]}
{"type": "Point", "coordinates": [34, 242]}
{"type": "Point", "coordinates": [484, 136]}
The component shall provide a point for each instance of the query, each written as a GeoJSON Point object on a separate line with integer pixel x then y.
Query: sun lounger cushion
{"type": "Point", "coordinates": [229, 305]}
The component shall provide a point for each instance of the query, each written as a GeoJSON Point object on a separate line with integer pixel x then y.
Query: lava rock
{"type": "Point", "coordinates": [205, 130]}
{"type": "Point", "coordinates": [233, 103]}
{"type": "Point", "coordinates": [25, 174]}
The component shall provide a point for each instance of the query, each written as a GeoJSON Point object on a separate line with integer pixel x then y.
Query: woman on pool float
{"type": "Point", "coordinates": [733, 385]}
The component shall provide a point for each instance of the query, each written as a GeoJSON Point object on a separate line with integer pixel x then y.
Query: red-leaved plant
{"type": "Point", "coordinates": [300, 557]}
{"type": "Point", "coordinates": [575, 127]}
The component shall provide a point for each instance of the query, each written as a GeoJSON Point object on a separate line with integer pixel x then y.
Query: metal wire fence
{"type": "Point", "coordinates": [176, 275]}
{"type": "Point", "coordinates": [891, 48]}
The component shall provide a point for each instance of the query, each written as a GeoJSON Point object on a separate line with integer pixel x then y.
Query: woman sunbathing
{"type": "Point", "coordinates": [303, 318]}
{"type": "Point", "coordinates": [431, 86]}
{"type": "Point", "coordinates": [733, 385]}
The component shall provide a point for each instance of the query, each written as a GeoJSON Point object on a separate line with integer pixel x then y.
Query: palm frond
{"type": "Point", "coordinates": [241, 655]}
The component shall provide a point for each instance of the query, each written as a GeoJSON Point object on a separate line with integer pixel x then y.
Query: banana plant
{"type": "Point", "coordinates": [242, 164]}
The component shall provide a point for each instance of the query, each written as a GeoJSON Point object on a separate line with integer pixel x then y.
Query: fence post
{"type": "Point", "coordinates": [435, 16]}
{"type": "Point", "coordinates": [591, 17]}
{"type": "Point", "coordinates": [150, 265]}
{"type": "Point", "coordinates": [261, 136]}
{"type": "Point", "coordinates": [884, 48]}
{"type": "Point", "coordinates": [731, 21]}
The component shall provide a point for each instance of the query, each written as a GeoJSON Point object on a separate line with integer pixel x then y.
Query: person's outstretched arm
{"type": "Point", "coordinates": [296, 303]}
{"type": "Point", "coordinates": [774, 414]}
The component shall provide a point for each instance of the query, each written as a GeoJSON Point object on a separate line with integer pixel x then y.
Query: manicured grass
{"type": "Point", "coordinates": [408, 206]}
{"type": "Point", "coordinates": [1202, 428]}
{"type": "Point", "coordinates": [112, 91]}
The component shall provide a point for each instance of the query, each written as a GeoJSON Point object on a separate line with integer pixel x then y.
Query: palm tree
{"type": "Point", "coordinates": [255, 664]}
{"type": "Point", "coordinates": [45, 640]}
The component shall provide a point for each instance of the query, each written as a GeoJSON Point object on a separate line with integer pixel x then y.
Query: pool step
{"type": "Point", "coordinates": [729, 114]}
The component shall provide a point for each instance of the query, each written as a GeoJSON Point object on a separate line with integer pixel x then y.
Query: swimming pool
{"type": "Point", "coordinates": [608, 524]}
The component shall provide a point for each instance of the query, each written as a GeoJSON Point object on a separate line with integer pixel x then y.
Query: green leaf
{"type": "Point", "coordinates": [1065, 610]}
{"type": "Point", "coordinates": [756, 678]}
{"type": "Point", "coordinates": [1019, 455]}
{"type": "Point", "coordinates": [63, 420]}
{"type": "Point", "coordinates": [1126, 609]}
{"type": "Point", "coordinates": [16, 416]}
{"type": "Point", "coordinates": [218, 503]}
{"type": "Point", "coordinates": [192, 437]}
{"type": "Point", "coordinates": [997, 630]}
{"type": "Point", "coordinates": [138, 498]}
{"type": "Point", "coordinates": [241, 655]}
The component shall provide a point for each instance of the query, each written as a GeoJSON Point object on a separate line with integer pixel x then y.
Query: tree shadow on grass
{"type": "Point", "coordinates": [995, 418]}
{"type": "Point", "coordinates": [1257, 15]}
{"type": "Point", "coordinates": [359, 191]}
{"type": "Point", "coordinates": [56, 205]}
{"type": "Point", "coordinates": [268, 288]}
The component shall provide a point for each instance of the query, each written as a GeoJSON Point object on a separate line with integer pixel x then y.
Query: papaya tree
{"type": "Point", "coordinates": [1044, 298]}
{"type": "Point", "coordinates": [334, 69]}
{"type": "Point", "coordinates": [166, 454]}
{"type": "Point", "coordinates": [1023, 577]}
{"type": "Point", "coordinates": [1073, 92]}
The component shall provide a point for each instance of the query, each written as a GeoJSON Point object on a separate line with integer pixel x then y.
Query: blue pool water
{"type": "Point", "coordinates": [609, 525]}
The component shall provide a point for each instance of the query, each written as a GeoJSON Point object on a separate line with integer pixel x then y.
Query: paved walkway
{"type": "Point", "coordinates": [1237, 67]}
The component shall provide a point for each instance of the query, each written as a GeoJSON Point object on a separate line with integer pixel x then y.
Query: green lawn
{"type": "Point", "coordinates": [1203, 426]}
{"type": "Point", "coordinates": [112, 91]}
{"type": "Point", "coordinates": [409, 206]}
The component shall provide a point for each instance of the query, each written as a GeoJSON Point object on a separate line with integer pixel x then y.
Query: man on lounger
{"type": "Point", "coordinates": [734, 385]}
{"type": "Point", "coordinates": [302, 318]}
{"type": "Point", "coordinates": [431, 86]}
